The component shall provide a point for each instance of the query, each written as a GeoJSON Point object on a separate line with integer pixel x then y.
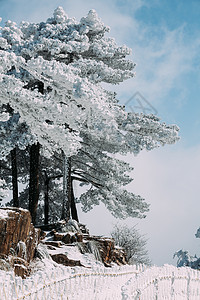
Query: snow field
{"type": "Point", "coordinates": [163, 283]}
{"type": "Point", "coordinates": [67, 283]}
{"type": "Point", "coordinates": [127, 282]}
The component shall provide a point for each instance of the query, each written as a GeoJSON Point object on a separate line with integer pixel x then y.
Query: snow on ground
{"type": "Point", "coordinates": [51, 281]}
{"type": "Point", "coordinates": [72, 252]}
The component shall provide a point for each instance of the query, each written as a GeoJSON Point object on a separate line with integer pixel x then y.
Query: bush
{"type": "Point", "coordinates": [132, 242]}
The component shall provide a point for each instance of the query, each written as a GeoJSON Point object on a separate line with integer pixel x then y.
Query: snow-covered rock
{"type": "Point", "coordinates": [18, 238]}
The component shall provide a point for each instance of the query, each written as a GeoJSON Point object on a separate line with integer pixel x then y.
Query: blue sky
{"type": "Point", "coordinates": [164, 37]}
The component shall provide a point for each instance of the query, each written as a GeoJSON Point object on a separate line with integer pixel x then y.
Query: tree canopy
{"type": "Point", "coordinates": [50, 76]}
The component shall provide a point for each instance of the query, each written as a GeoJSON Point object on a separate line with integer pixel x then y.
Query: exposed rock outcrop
{"type": "Point", "coordinates": [62, 258]}
{"type": "Point", "coordinates": [17, 233]}
{"type": "Point", "coordinates": [18, 239]}
{"type": "Point", "coordinates": [19, 243]}
{"type": "Point", "coordinates": [77, 234]}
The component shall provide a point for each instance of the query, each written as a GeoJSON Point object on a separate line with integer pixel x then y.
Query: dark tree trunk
{"type": "Point", "coordinates": [66, 188]}
{"type": "Point", "coordinates": [46, 200]}
{"type": "Point", "coordinates": [14, 177]}
{"type": "Point", "coordinates": [34, 180]}
{"type": "Point", "coordinates": [73, 204]}
{"type": "Point", "coordinates": [34, 164]}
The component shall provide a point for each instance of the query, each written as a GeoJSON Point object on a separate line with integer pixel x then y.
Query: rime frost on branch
{"type": "Point", "coordinates": [3, 191]}
{"type": "Point", "coordinates": [51, 74]}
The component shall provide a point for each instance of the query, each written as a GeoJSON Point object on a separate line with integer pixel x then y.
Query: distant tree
{"type": "Point", "coordinates": [132, 242]}
{"type": "Point", "coordinates": [187, 260]}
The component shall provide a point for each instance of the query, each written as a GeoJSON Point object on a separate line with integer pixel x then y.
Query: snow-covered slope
{"type": "Point", "coordinates": [52, 281]}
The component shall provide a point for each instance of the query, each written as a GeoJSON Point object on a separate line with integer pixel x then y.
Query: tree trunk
{"type": "Point", "coordinates": [34, 166]}
{"type": "Point", "coordinates": [66, 187]}
{"type": "Point", "coordinates": [14, 177]}
{"type": "Point", "coordinates": [46, 200]}
{"type": "Point", "coordinates": [34, 180]}
{"type": "Point", "coordinates": [73, 204]}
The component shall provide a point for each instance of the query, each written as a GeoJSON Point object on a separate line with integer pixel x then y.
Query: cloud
{"type": "Point", "coordinates": [163, 64]}
{"type": "Point", "coordinates": [164, 57]}
{"type": "Point", "coordinates": [168, 178]}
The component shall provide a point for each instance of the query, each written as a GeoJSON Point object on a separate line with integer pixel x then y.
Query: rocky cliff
{"type": "Point", "coordinates": [18, 239]}
{"type": "Point", "coordinates": [66, 243]}
{"type": "Point", "coordinates": [72, 233]}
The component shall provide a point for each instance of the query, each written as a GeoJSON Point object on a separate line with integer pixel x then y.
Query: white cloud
{"type": "Point", "coordinates": [163, 57]}
{"type": "Point", "coordinates": [162, 65]}
{"type": "Point", "coordinates": [169, 180]}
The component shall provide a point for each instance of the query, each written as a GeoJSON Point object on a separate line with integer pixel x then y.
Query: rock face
{"type": "Point", "coordinates": [108, 251]}
{"type": "Point", "coordinates": [62, 258]}
{"type": "Point", "coordinates": [77, 234]}
{"type": "Point", "coordinates": [19, 243]}
{"type": "Point", "coordinates": [18, 237]}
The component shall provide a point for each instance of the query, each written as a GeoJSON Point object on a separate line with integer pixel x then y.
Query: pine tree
{"type": "Point", "coordinates": [51, 74]}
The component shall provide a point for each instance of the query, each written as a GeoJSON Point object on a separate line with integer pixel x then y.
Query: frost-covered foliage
{"type": "Point", "coordinates": [65, 56]}
{"type": "Point", "coordinates": [13, 133]}
{"type": "Point", "coordinates": [132, 242]}
{"type": "Point", "coordinates": [51, 74]}
{"type": "Point", "coordinates": [3, 191]}
{"type": "Point", "coordinates": [107, 176]}
{"type": "Point", "coordinates": [198, 233]}
{"type": "Point", "coordinates": [69, 58]}
{"type": "Point", "coordinates": [146, 132]}
{"type": "Point", "coordinates": [185, 259]}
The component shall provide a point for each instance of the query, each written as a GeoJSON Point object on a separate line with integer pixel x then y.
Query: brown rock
{"type": "Point", "coordinates": [73, 238]}
{"type": "Point", "coordinates": [67, 239]}
{"type": "Point", "coordinates": [16, 227]}
{"type": "Point", "coordinates": [20, 266]}
{"type": "Point", "coordinates": [62, 258]}
{"type": "Point", "coordinates": [53, 243]}
{"type": "Point", "coordinates": [21, 270]}
{"type": "Point", "coordinates": [58, 236]}
{"type": "Point", "coordinates": [119, 257]}
{"type": "Point", "coordinates": [42, 234]}
{"type": "Point", "coordinates": [51, 247]}
{"type": "Point", "coordinates": [79, 237]}
{"type": "Point", "coordinates": [105, 246]}
{"type": "Point", "coordinates": [107, 250]}
{"type": "Point", "coordinates": [14, 260]}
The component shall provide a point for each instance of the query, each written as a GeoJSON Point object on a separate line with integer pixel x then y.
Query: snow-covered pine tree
{"type": "Point", "coordinates": [14, 135]}
{"type": "Point", "coordinates": [187, 260]}
{"type": "Point", "coordinates": [66, 98]}
{"type": "Point", "coordinates": [95, 165]}
{"type": "Point", "coordinates": [31, 53]}
{"type": "Point", "coordinates": [57, 67]}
